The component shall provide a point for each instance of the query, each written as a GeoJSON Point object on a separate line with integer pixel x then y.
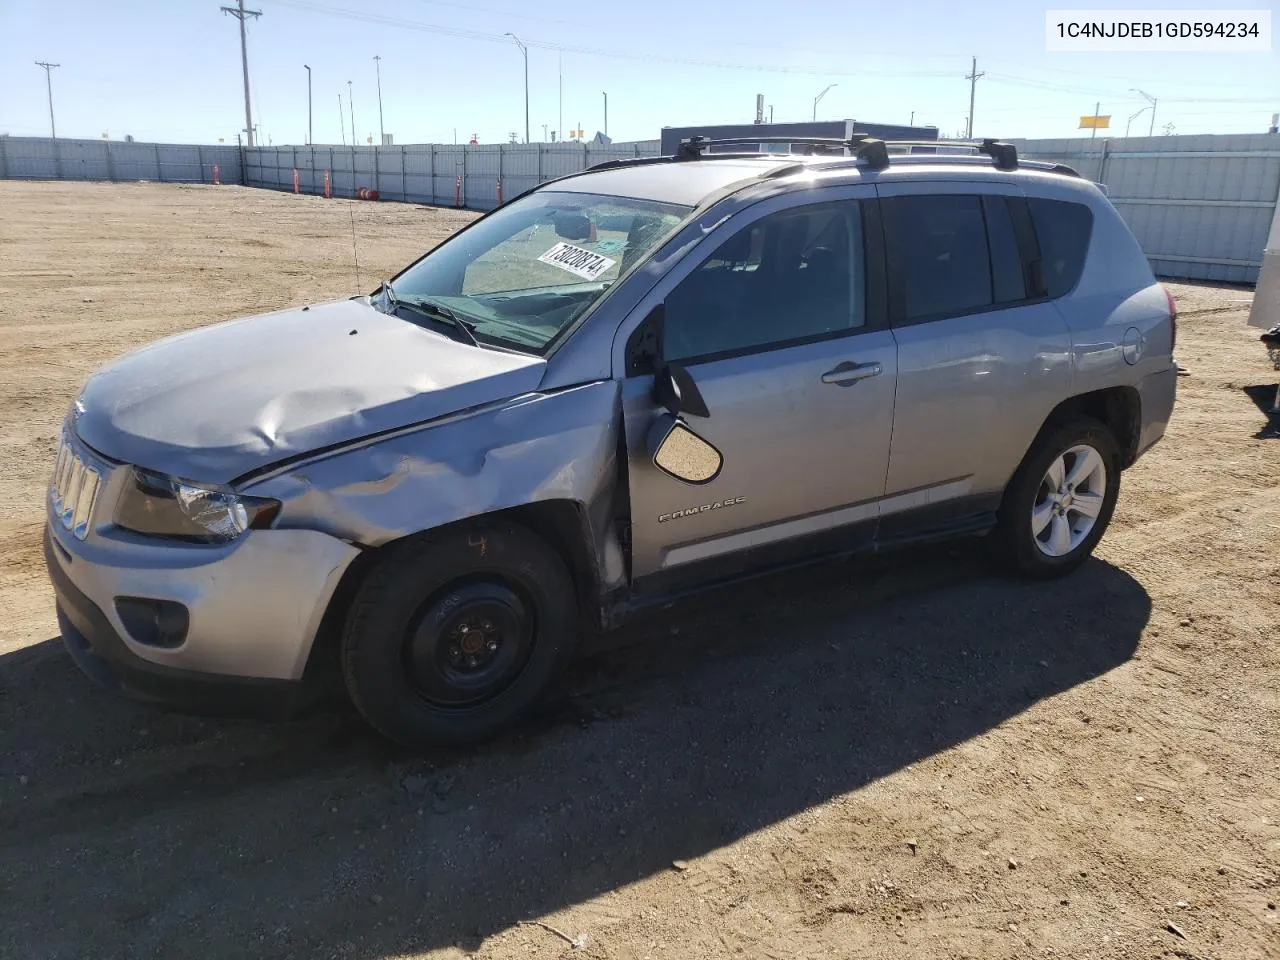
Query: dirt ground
{"type": "Point", "coordinates": [909, 758]}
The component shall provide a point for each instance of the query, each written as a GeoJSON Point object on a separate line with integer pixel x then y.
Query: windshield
{"type": "Point", "coordinates": [529, 270]}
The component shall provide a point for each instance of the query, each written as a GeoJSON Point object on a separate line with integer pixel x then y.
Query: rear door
{"type": "Point", "coordinates": [983, 356]}
{"type": "Point", "coordinates": [782, 328]}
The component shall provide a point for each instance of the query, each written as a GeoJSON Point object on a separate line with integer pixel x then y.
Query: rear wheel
{"type": "Point", "coordinates": [1060, 501]}
{"type": "Point", "coordinates": [452, 638]}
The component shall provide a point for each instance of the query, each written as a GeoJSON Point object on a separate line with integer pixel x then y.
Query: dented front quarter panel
{"type": "Point", "coordinates": [530, 449]}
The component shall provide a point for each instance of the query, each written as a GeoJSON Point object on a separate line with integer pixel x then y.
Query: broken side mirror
{"type": "Point", "coordinates": [674, 390]}
{"type": "Point", "coordinates": [680, 453]}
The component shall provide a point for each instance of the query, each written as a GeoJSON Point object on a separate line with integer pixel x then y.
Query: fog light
{"type": "Point", "coordinates": [154, 623]}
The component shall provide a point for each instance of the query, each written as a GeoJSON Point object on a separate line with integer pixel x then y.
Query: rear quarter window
{"type": "Point", "coordinates": [1062, 229]}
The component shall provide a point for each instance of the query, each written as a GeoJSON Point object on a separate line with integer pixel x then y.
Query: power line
{"type": "Point", "coordinates": [1102, 76]}
{"type": "Point", "coordinates": [48, 73]}
{"type": "Point", "coordinates": [598, 25]}
{"type": "Point", "coordinates": [592, 51]}
{"type": "Point", "coordinates": [241, 14]}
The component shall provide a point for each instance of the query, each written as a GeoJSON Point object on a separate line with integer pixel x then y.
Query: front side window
{"type": "Point", "coordinates": [791, 276]}
{"type": "Point", "coordinates": [526, 272]}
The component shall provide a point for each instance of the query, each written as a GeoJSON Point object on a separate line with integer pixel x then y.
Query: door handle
{"type": "Point", "coordinates": [849, 372]}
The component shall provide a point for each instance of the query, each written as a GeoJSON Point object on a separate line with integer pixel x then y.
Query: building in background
{"type": "Point", "coordinates": [839, 129]}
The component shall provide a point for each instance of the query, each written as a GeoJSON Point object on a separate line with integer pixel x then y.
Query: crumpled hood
{"type": "Point", "coordinates": [215, 403]}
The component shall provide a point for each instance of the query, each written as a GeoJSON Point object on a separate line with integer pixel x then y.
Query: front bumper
{"type": "Point", "coordinates": [103, 655]}
{"type": "Point", "coordinates": [254, 609]}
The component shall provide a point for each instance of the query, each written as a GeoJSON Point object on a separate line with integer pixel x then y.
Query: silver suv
{"type": "Point", "coordinates": [623, 385]}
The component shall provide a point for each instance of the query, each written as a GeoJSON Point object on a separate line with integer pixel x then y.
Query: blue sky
{"type": "Point", "coordinates": [170, 71]}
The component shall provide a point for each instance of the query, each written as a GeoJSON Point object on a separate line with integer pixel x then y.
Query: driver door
{"type": "Point", "coordinates": [782, 329]}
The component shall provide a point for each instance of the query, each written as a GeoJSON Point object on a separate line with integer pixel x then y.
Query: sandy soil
{"type": "Point", "coordinates": [912, 758]}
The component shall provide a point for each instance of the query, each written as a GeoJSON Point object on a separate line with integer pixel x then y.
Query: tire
{"type": "Point", "coordinates": [1036, 547]}
{"type": "Point", "coordinates": [452, 638]}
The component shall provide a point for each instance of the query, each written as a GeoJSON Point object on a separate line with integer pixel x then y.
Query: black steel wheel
{"type": "Point", "coordinates": [469, 643]}
{"type": "Point", "coordinates": [453, 636]}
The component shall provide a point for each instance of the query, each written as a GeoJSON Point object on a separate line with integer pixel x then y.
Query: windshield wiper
{"type": "Point", "coordinates": [430, 310]}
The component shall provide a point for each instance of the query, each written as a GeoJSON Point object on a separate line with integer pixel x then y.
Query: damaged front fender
{"type": "Point", "coordinates": [559, 446]}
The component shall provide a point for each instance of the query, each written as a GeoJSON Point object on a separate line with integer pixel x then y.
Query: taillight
{"type": "Point", "coordinates": [1173, 319]}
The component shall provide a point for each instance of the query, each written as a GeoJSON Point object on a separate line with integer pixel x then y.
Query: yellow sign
{"type": "Point", "coordinates": [1095, 123]}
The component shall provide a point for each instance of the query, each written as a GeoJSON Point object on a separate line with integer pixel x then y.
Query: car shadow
{"type": "Point", "coordinates": [1265, 396]}
{"type": "Point", "coordinates": [125, 831]}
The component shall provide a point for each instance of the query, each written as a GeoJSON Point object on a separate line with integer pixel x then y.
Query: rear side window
{"type": "Point", "coordinates": [1062, 229]}
{"type": "Point", "coordinates": [938, 260]}
{"type": "Point", "coordinates": [1006, 260]}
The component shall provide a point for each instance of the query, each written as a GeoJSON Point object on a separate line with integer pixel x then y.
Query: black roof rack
{"type": "Point", "coordinates": [835, 152]}
{"type": "Point", "coordinates": [875, 152]}
{"type": "Point", "coordinates": [1004, 156]}
{"type": "Point", "coordinates": [859, 146]}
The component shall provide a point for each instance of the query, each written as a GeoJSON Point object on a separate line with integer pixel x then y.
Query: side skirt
{"type": "Point", "coordinates": [910, 529]}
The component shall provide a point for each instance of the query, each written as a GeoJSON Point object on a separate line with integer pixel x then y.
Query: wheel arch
{"type": "Point", "coordinates": [1118, 408]}
{"type": "Point", "coordinates": [563, 524]}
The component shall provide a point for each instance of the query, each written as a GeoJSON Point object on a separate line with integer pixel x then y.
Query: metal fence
{"type": "Point", "coordinates": [439, 174]}
{"type": "Point", "coordinates": [1200, 206]}
{"type": "Point", "coordinates": [44, 158]}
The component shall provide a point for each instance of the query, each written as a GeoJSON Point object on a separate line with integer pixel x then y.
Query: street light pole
{"type": "Point", "coordinates": [525, 51]}
{"type": "Point", "coordinates": [382, 130]}
{"type": "Point", "coordinates": [310, 138]}
{"type": "Point", "coordinates": [819, 97]}
{"type": "Point", "coordinates": [48, 72]}
{"type": "Point", "coordinates": [606, 111]}
{"type": "Point", "coordinates": [1151, 100]}
{"type": "Point", "coordinates": [351, 105]}
{"type": "Point", "coordinates": [1133, 117]}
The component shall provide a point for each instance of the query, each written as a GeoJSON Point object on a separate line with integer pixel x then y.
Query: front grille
{"type": "Point", "coordinates": [74, 488]}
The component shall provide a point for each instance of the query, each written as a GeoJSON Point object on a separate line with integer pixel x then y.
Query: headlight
{"type": "Point", "coordinates": [164, 507]}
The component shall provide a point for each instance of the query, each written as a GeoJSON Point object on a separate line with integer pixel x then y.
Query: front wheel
{"type": "Point", "coordinates": [1060, 501]}
{"type": "Point", "coordinates": [451, 638]}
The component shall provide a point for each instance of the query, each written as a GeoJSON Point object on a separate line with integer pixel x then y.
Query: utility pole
{"type": "Point", "coordinates": [382, 130]}
{"type": "Point", "coordinates": [241, 14]}
{"type": "Point", "coordinates": [525, 51]}
{"type": "Point", "coordinates": [342, 124]}
{"type": "Point", "coordinates": [819, 97]}
{"type": "Point", "coordinates": [606, 112]}
{"type": "Point", "coordinates": [351, 105]}
{"type": "Point", "coordinates": [1151, 100]}
{"type": "Point", "coordinates": [972, 76]}
{"type": "Point", "coordinates": [310, 138]}
{"type": "Point", "coordinates": [1096, 107]}
{"type": "Point", "coordinates": [771, 113]}
{"type": "Point", "coordinates": [48, 72]}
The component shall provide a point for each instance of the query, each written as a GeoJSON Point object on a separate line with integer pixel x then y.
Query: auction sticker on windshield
{"type": "Point", "coordinates": [579, 262]}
